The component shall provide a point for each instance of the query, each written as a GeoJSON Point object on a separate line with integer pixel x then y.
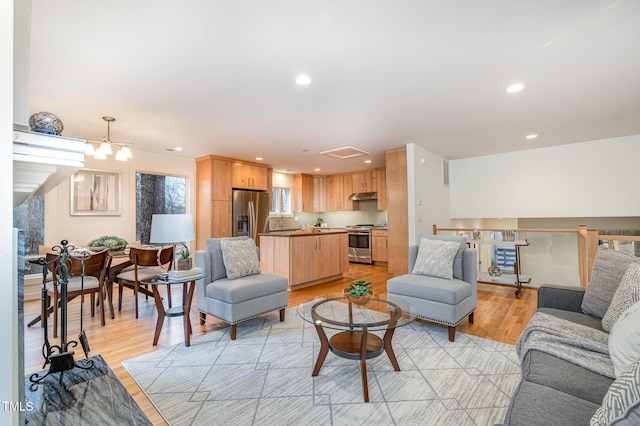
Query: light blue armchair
{"type": "Point", "coordinates": [240, 299]}
{"type": "Point", "coordinates": [441, 300]}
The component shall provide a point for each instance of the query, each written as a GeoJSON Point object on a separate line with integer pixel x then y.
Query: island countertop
{"type": "Point", "coordinates": [301, 233]}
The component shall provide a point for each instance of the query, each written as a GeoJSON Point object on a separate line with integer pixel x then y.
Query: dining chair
{"type": "Point", "coordinates": [92, 283]}
{"type": "Point", "coordinates": [146, 263]}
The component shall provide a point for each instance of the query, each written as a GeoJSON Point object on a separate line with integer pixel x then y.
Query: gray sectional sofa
{"type": "Point", "coordinates": [568, 377]}
{"type": "Point", "coordinates": [553, 390]}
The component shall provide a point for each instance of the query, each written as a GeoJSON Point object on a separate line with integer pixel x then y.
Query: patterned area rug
{"type": "Point", "coordinates": [93, 396]}
{"type": "Point", "coordinates": [264, 378]}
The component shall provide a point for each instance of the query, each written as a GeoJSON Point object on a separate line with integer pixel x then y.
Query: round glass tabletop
{"type": "Point", "coordinates": [162, 280]}
{"type": "Point", "coordinates": [337, 312]}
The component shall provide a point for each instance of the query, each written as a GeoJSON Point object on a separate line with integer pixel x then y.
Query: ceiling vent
{"type": "Point", "coordinates": [345, 152]}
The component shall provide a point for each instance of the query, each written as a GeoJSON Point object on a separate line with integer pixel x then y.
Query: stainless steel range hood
{"type": "Point", "coordinates": [41, 162]}
{"type": "Point", "coordinates": [362, 196]}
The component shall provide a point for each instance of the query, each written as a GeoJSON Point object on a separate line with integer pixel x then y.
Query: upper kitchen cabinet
{"type": "Point", "coordinates": [364, 181]}
{"type": "Point", "coordinates": [249, 176]}
{"type": "Point", "coordinates": [339, 188]}
{"type": "Point", "coordinates": [319, 193]}
{"type": "Point", "coordinates": [303, 193]}
{"type": "Point", "coordinates": [215, 178]}
{"type": "Point", "coordinates": [381, 183]}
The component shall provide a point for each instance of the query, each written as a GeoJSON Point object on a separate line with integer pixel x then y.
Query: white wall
{"type": "Point", "coordinates": [59, 224]}
{"type": "Point", "coordinates": [9, 364]}
{"type": "Point", "coordinates": [428, 198]}
{"type": "Point", "coordinates": [590, 179]}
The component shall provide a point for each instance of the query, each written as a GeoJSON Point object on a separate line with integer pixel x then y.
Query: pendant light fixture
{"type": "Point", "coordinates": [100, 150]}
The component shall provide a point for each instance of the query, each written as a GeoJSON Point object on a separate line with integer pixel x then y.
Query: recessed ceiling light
{"type": "Point", "coordinates": [316, 170]}
{"type": "Point", "coordinates": [178, 148]}
{"type": "Point", "coordinates": [516, 87]}
{"type": "Point", "coordinates": [532, 136]}
{"type": "Point", "coordinates": [259, 158]}
{"type": "Point", "coordinates": [367, 161]}
{"type": "Point", "coordinates": [303, 80]}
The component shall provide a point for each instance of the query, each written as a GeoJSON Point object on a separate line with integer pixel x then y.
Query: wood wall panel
{"type": "Point", "coordinates": [397, 211]}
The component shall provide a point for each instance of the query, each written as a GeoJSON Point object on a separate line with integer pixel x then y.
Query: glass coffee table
{"type": "Point", "coordinates": [354, 324]}
{"type": "Point", "coordinates": [188, 287]}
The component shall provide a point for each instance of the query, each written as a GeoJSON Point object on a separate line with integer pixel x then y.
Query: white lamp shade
{"type": "Point", "coordinates": [99, 155]}
{"type": "Point", "coordinates": [121, 155]}
{"type": "Point", "coordinates": [106, 148]}
{"type": "Point", "coordinates": [172, 228]}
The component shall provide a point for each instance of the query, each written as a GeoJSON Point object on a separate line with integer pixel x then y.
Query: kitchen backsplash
{"type": "Point", "coordinates": [332, 219]}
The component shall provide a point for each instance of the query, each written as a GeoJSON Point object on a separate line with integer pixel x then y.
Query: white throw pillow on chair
{"type": "Point", "coordinates": [435, 258]}
{"type": "Point", "coordinates": [240, 258]}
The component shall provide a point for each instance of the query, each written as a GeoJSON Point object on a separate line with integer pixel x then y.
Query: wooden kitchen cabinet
{"type": "Point", "coordinates": [213, 199]}
{"type": "Point", "coordinates": [305, 258]}
{"type": "Point", "coordinates": [220, 219]}
{"type": "Point", "coordinates": [339, 188]}
{"type": "Point", "coordinates": [397, 211]}
{"type": "Point", "coordinates": [364, 181]}
{"type": "Point", "coordinates": [247, 176]}
{"type": "Point", "coordinates": [319, 193]}
{"type": "Point", "coordinates": [215, 179]}
{"type": "Point", "coordinates": [379, 252]}
{"type": "Point", "coordinates": [314, 258]}
{"type": "Point", "coordinates": [303, 193]}
{"type": "Point", "coordinates": [381, 184]}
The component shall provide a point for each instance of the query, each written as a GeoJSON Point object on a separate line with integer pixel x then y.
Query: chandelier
{"type": "Point", "coordinates": [100, 150]}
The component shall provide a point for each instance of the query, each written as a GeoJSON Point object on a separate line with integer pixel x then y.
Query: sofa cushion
{"type": "Point", "coordinates": [621, 404]}
{"type": "Point", "coordinates": [436, 289]}
{"type": "Point", "coordinates": [435, 258]}
{"type": "Point", "coordinates": [626, 295]}
{"type": "Point", "coordinates": [240, 258]}
{"type": "Point", "coordinates": [624, 340]}
{"type": "Point", "coordinates": [608, 268]}
{"type": "Point", "coordinates": [577, 317]}
{"type": "Point", "coordinates": [458, 260]}
{"type": "Point", "coordinates": [246, 288]}
{"type": "Point", "coordinates": [548, 370]}
{"type": "Point", "coordinates": [534, 404]}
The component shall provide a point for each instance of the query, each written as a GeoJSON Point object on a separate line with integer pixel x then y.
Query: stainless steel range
{"type": "Point", "coordinates": [360, 243]}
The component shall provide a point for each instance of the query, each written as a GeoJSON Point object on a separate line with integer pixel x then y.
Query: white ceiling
{"type": "Point", "coordinates": [217, 77]}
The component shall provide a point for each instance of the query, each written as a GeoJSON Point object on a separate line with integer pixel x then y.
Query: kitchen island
{"type": "Point", "coordinates": [306, 258]}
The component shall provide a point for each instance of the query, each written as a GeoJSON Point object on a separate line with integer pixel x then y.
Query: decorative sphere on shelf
{"type": "Point", "coordinates": [495, 271]}
{"type": "Point", "coordinates": [46, 122]}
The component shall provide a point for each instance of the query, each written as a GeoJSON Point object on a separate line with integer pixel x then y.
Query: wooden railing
{"type": "Point", "coordinates": [588, 241]}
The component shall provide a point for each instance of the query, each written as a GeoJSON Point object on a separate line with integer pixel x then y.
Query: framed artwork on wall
{"type": "Point", "coordinates": [95, 193]}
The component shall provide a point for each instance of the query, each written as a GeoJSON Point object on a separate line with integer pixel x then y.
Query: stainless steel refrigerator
{"type": "Point", "coordinates": [250, 213]}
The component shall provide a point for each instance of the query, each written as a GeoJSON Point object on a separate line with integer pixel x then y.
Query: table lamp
{"type": "Point", "coordinates": [172, 228]}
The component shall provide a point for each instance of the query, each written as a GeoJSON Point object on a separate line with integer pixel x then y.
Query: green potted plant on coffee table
{"type": "Point", "coordinates": [359, 292]}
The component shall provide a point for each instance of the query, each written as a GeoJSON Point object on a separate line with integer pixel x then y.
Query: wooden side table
{"type": "Point", "coordinates": [188, 288]}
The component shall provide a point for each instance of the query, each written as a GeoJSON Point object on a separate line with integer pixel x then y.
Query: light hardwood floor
{"type": "Point", "coordinates": [500, 315]}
